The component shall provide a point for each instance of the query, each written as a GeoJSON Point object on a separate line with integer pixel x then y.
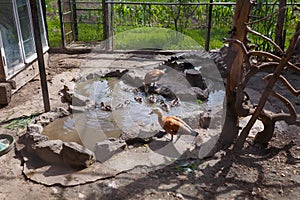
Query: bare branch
{"type": "Point", "coordinates": [268, 90]}
{"type": "Point", "coordinates": [273, 57]}
{"type": "Point", "coordinates": [295, 67]}
{"type": "Point", "coordinates": [244, 51]}
{"type": "Point", "coordinates": [289, 86]}
{"type": "Point", "coordinates": [241, 44]}
{"type": "Point", "coordinates": [282, 116]}
{"type": "Point", "coordinates": [264, 54]}
{"type": "Point", "coordinates": [283, 99]}
{"type": "Point", "coordinates": [256, 69]}
{"type": "Point", "coordinates": [266, 38]}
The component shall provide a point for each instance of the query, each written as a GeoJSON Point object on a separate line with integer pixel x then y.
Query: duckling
{"type": "Point", "coordinates": [135, 90]}
{"type": "Point", "coordinates": [164, 106]}
{"type": "Point", "coordinates": [151, 77]}
{"type": "Point", "coordinates": [138, 99]}
{"type": "Point", "coordinates": [172, 124]}
{"type": "Point", "coordinates": [175, 102]}
{"type": "Point", "coordinates": [152, 98]}
{"type": "Point", "coordinates": [105, 107]}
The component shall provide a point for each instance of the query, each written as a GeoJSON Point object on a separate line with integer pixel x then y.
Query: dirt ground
{"type": "Point", "coordinates": [254, 174]}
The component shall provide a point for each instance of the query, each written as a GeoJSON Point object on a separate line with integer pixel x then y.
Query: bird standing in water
{"type": "Point", "coordinates": [172, 124]}
{"type": "Point", "coordinates": [151, 77]}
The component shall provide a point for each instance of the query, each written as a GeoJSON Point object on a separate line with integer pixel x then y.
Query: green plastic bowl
{"type": "Point", "coordinates": [11, 142]}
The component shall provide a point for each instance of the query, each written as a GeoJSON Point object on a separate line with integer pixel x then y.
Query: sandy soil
{"type": "Point", "coordinates": [254, 174]}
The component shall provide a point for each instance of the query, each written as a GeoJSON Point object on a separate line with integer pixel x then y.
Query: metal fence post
{"type": "Point", "coordinates": [208, 25]}
{"type": "Point", "coordinates": [75, 24]}
{"type": "Point", "coordinates": [107, 24]}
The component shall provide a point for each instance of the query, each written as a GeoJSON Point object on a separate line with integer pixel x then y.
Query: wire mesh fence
{"type": "Point", "coordinates": [86, 21]}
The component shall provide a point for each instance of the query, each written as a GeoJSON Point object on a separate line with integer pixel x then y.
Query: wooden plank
{"type": "Point", "coordinates": [27, 74]}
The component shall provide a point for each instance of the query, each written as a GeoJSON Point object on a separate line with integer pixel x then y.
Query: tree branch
{"type": "Point", "coordinates": [266, 38]}
{"type": "Point", "coordinates": [289, 86]}
{"type": "Point", "coordinates": [255, 69]}
{"type": "Point", "coordinates": [241, 44]}
{"type": "Point", "coordinates": [273, 57]}
{"type": "Point", "coordinates": [288, 118]}
{"type": "Point", "coordinates": [268, 90]}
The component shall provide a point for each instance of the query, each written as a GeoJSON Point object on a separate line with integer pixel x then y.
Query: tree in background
{"type": "Point", "coordinates": [241, 69]}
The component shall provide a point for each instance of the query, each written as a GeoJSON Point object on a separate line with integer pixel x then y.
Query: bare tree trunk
{"type": "Point", "coordinates": [235, 59]}
{"type": "Point", "coordinates": [279, 33]}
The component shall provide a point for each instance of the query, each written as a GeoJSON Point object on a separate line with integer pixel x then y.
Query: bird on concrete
{"type": "Point", "coordinates": [151, 77]}
{"type": "Point", "coordinates": [173, 125]}
{"type": "Point", "coordinates": [175, 102]}
{"type": "Point", "coordinates": [138, 98]}
{"type": "Point", "coordinates": [105, 107]}
{"type": "Point", "coordinates": [164, 105]}
{"type": "Point", "coordinates": [152, 98]}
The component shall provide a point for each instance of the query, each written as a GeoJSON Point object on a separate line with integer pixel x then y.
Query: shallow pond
{"type": "Point", "coordinates": [96, 125]}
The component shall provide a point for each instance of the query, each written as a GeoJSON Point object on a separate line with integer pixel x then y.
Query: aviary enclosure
{"type": "Point", "coordinates": [207, 22]}
{"type": "Point", "coordinates": [251, 47]}
{"type": "Point", "coordinates": [250, 42]}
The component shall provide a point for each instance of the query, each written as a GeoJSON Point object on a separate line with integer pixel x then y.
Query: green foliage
{"type": "Point", "coordinates": [190, 20]}
{"type": "Point", "coordinates": [267, 27]}
{"type": "Point", "coordinates": [54, 34]}
{"type": "Point", "coordinates": [21, 123]}
{"type": "Point", "coordinates": [154, 38]}
{"type": "Point", "coordinates": [89, 32]}
{"type": "Point", "coordinates": [53, 23]}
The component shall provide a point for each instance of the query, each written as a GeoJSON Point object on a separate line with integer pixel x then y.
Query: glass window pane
{"type": "Point", "coordinates": [42, 26]}
{"type": "Point", "coordinates": [9, 35]}
{"type": "Point", "coordinates": [26, 29]}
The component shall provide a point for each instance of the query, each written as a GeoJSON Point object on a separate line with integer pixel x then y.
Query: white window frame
{"type": "Point", "coordinates": [10, 72]}
{"type": "Point", "coordinates": [15, 7]}
{"type": "Point", "coordinates": [45, 48]}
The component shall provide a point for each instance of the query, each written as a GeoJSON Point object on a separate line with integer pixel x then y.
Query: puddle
{"type": "Point", "coordinates": [63, 129]}
{"type": "Point", "coordinates": [96, 125]}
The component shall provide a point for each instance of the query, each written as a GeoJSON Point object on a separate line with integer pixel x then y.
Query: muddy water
{"type": "Point", "coordinates": [97, 125]}
{"type": "Point", "coordinates": [63, 129]}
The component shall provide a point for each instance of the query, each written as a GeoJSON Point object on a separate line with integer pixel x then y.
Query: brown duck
{"type": "Point", "coordinates": [151, 77]}
{"type": "Point", "coordinates": [172, 124]}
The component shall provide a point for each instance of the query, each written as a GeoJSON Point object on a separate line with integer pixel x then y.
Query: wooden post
{"type": "Point", "coordinates": [40, 55]}
{"type": "Point", "coordinates": [208, 27]}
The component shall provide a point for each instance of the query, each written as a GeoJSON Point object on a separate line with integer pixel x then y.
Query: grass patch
{"type": "Point", "coordinates": [54, 34]}
{"type": "Point", "coordinates": [154, 38]}
{"type": "Point", "coordinates": [90, 32]}
{"type": "Point", "coordinates": [21, 123]}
